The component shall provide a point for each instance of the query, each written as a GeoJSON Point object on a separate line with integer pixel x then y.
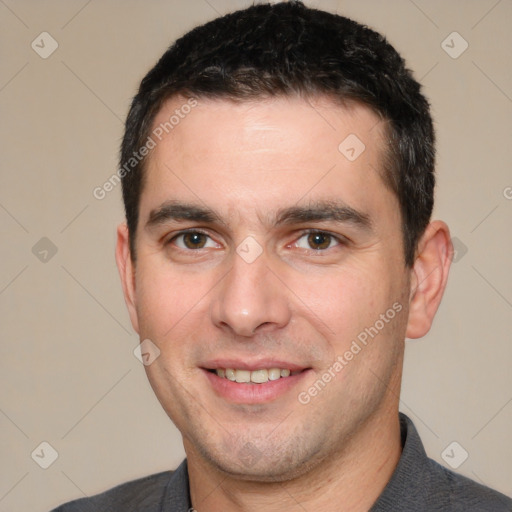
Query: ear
{"type": "Point", "coordinates": [127, 272]}
{"type": "Point", "coordinates": [429, 278]}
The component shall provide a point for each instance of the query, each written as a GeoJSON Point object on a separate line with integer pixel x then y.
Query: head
{"type": "Point", "coordinates": [279, 219]}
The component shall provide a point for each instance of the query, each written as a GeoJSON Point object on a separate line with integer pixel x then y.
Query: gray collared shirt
{"type": "Point", "coordinates": [418, 484]}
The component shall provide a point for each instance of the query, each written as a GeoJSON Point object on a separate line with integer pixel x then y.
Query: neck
{"type": "Point", "coordinates": [353, 477]}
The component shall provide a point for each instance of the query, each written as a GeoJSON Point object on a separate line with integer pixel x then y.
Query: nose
{"type": "Point", "coordinates": [250, 299]}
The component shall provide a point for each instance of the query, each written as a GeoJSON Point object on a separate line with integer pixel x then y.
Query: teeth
{"type": "Point", "coordinates": [243, 375]}
{"type": "Point", "coordinates": [255, 376]}
{"type": "Point", "coordinates": [259, 376]}
{"type": "Point", "coordinates": [274, 374]}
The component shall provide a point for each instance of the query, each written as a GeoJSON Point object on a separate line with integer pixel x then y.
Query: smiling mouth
{"type": "Point", "coordinates": [260, 376]}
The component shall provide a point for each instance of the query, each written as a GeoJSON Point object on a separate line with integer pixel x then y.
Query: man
{"type": "Point", "coordinates": [277, 170]}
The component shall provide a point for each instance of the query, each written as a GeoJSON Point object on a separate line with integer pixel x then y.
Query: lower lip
{"type": "Point", "coordinates": [243, 393]}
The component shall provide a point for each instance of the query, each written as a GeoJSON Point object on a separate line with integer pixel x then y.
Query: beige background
{"type": "Point", "coordinates": [69, 376]}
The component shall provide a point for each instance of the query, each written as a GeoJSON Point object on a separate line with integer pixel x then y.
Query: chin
{"type": "Point", "coordinates": [265, 473]}
{"type": "Point", "coordinates": [269, 463]}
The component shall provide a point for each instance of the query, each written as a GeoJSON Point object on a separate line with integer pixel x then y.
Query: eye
{"type": "Point", "coordinates": [317, 240]}
{"type": "Point", "coordinates": [193, 240]}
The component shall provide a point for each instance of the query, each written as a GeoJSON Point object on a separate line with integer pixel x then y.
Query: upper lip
{"type": "Point", "coordinates": [245, 364]}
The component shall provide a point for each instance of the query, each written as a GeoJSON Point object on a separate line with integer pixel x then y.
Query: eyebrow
{"type": "Point", "coordinates": [336, 211]}
{"type": "Point", "coordinates": [177, 210]}
{"type": "Point", "coordinates": [316, 211]}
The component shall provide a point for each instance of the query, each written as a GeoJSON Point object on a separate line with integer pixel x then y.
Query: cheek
{"type": "Point", "coordinates": [344, 301]}
{"type": "Point", "coordinates": [164, 298]}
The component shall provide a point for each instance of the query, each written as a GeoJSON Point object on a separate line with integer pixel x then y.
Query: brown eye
{"type": "Point", "coordinates": [193, 240]}
{"type": "Point", "coordinates": [319, 241]}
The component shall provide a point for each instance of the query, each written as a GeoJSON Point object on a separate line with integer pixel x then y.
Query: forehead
{"type": "Point", "coordinates": [238, 155]}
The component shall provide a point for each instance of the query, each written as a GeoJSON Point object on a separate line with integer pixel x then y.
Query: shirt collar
{"type": "Point", "coordinates": [176, 497]}
{"type": "Point", "coordinates": [411, 472]}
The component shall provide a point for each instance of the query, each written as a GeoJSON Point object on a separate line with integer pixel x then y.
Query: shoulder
{"type": "Point", "coordinates": [142, 494]}
{"type": "Point", "coordinates": [458, 493]}
{"type": "Point", "coordinates": [423, 485]}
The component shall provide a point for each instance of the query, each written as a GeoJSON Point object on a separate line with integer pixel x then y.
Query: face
{"type": "Point", "coordinates": [270, 250]}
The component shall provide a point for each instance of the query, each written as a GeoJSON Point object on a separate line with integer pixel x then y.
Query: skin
{"type": "Point", "coordinates": [299, 301]}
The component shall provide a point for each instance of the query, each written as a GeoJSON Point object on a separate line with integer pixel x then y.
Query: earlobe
{"type": "Point", "coordinates": [126, 270]}
{"type": "Point", "coordinates": [429, 278]}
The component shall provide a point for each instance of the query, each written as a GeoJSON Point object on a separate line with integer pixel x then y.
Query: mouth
{"type": "Point", "coordinates": [244, 383]}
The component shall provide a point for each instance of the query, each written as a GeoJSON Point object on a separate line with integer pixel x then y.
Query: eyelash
{"type": "Point", "coordinates": [341, 241]}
